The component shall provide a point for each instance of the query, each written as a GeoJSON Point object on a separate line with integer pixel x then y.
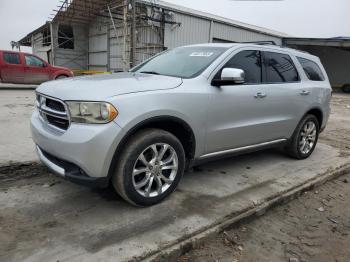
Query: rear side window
{"type": "Point", "coordinates": [12, 58]}
{"type": "Point", "coordinates": [279, 68]}
{"type": "Point", "coordinates": [312, 70]}
{"type": "Point", "coordinates": [250, 62]}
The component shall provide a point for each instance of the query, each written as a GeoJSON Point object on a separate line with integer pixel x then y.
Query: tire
{"type": "Point", "coordinates": [346, 89]}
{"type": "Point", "coordinates": [61, 77]}
{"type": "Point", "coordinates": [132, 187]}
{"type": "Point", "coordinates": [302, 136]}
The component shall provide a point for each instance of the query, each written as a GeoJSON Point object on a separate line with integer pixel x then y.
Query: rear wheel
{"type": "Point", "coordinates": [150, 168]}
{"type": "Point", "coordinates": [305, 138]}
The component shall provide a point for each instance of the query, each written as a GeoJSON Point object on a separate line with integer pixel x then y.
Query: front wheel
{"type": "Point", "coordinates": [150, 168]}
{"type": "Point", "coordinates": [61, 77]}
{"type": "Point", "coordinates": [305, 138]}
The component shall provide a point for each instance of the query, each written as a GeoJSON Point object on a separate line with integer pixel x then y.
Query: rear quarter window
{"type": "Point", "coordinates": [312, 70]}
{"type": "Point", "coordinates": [11, 58]}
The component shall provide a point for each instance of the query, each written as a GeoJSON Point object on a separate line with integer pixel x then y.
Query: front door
{"type": "Point", "coordinates": [36, 71]}
{"type": "Point", "coordinates": [237, 116]}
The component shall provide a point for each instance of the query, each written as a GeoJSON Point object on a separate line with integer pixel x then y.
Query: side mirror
{"type": "Point", "coordinates": [230, 76]}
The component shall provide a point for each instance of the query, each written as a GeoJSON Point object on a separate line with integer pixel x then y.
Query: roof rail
{"type": "Point", "coordinates": [261, 43]}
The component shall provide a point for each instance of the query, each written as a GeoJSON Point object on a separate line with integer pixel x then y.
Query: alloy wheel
{"type": "Point", "coordinates": [155, 170]}
{"type": "Point", "coordinates": [308, 136]}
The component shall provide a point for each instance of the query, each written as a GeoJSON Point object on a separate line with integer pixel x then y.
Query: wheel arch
{"type": "Point", "coordinates": [174, 125]}
{"type": "Point", "coordinates": [317, 112]}
{"type": "Point", "coordinates": [59, 75]}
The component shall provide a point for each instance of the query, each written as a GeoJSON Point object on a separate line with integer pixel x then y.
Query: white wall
{"type": "Point", "coordinates": [98, 45]}
{"type": "Point", "coordinates": [73, 59]}
{"type": "Point", "coordinates": [195, 30]}
{"type": "Point", "coordinates": [38, 48]}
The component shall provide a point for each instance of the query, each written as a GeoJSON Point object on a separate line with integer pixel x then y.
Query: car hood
{"type": "Point", "coordinates": [102, 87]}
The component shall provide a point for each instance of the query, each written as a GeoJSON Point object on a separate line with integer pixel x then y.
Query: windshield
{"type": "Point", "coordinates": [184, 62]}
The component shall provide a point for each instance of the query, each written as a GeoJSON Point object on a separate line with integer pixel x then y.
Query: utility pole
{"type": "Point", "coordinates": [52, 45]}
{"type": "Point", "coordinates": [133, 34]}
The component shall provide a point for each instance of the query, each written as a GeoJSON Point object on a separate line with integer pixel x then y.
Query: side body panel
{"type": "Point", "coordinates": [236, 118]}
{"type": "Point", "coordinates": [35, 74]}
{"type": "Point", "coordinates": [314, 94]}
{"type": "Point", "coordinates": [188, 102]}
{"type": "Point", "coordinates": [248, 114]}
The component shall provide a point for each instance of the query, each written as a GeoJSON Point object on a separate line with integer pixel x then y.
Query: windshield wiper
{"type": "Point", "coordinates": [150, 72]}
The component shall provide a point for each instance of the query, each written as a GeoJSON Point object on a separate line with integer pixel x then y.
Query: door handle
{"type": "Point", "coordinates": [305, 93]}
{"type": "Point", "coordinates": [260, 95]}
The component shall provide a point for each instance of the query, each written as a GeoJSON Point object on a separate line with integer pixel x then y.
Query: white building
{"type": "Point", "coordinates": [100, 35]}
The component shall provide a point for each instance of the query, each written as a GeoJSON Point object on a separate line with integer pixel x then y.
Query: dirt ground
{"type": "Point", "coordinates": [337, 133]}
{"type": "Point", "coordinates": [314, 227]}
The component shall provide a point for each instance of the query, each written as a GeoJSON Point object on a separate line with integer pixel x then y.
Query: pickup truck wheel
{"type": "Point", "coordinates": [150, 168]}
{"type": "Point", "coordinates": [61, 77]}
{"type": "Point", "coordinates": [305, 138]}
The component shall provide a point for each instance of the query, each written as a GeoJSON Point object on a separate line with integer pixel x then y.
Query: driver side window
{"type": "Point", "coordinates": [33, 61]}
{"type": "Point", "coordinates": [250, 61]}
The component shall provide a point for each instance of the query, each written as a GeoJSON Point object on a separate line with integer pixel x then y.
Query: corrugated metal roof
{"type": "Point", "coordinates": [27, 40]}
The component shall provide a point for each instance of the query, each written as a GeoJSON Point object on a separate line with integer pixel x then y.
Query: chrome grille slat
{"type": "Point", "coordinates": [57, 119]}
{"type": "Point", "coordinates": [49, 111]}
{"type": "Point", "coordinates": [53, 114]}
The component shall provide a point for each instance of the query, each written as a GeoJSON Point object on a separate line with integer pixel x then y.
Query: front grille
{"type": "Point", "coordinates": [55, 105]}
{"type": "Point", "coordinates": [57, 122]}
{"type": "Point", "coordinates": [53, 112]}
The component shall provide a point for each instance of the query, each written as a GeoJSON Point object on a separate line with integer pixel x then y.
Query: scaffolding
{"type": "Point", "coordinates": [135, 32]}
{"type": "Point", "coordinates": [135, 28]}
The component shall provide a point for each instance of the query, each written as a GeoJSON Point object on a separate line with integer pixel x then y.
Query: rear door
{"type": "Point", "coordinates": [36, 70]}
{"type": "Point", "coordinates": [282, 83]}
{"type": "Point", "coordinates": [12, 70]}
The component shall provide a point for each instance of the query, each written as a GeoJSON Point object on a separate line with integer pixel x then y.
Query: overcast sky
{"type": "Point", "coordinates": [304, 18]}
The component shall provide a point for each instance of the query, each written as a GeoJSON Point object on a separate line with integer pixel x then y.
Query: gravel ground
{"type": "Point", "coordinates": [314, 227]}
{"type": "Point", "coordinates": [16, 144]}
{"type": "Point", "coordinates": [337, 133]}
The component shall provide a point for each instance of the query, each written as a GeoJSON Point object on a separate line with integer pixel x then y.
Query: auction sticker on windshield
{"type": "Point", "coordinates": [202, 54]}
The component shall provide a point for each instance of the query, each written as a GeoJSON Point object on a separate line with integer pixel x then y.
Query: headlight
{"type": "Point", "coordinates": [92, 112]}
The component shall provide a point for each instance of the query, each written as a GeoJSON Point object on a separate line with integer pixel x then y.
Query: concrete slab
{"type": "Point", "coordinates": [16, 145]}
{"type": "Point", "coordinates": [5, 86]}
{"type": "Point", "coordinates": [67, 222]}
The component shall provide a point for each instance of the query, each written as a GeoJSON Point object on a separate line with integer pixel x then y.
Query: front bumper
{"type": "Point", "coordinates": [70, 171]}
{"type": "Point", "coordinates": [82, 154]}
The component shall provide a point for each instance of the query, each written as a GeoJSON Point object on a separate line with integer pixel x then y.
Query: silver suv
{"type": "Point", "coordinates": [140, 130]}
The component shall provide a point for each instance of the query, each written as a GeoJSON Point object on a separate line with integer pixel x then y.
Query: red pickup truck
{"type": "Point", "coordinates": [23, 68]}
